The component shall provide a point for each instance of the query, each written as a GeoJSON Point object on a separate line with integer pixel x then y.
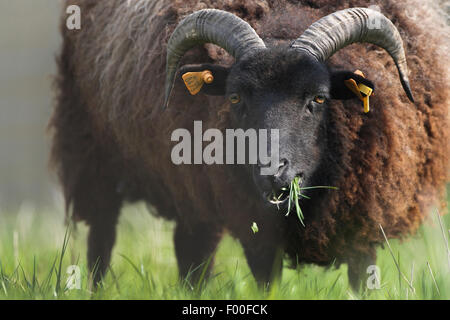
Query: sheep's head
{"type": "Point", "coordinates": [283, 88]}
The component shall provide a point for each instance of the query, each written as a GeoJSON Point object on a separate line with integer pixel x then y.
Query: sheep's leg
{"type": "Point", "coordinates": [357, 269]}
{"type": "Point", "coordinates": [101, 239]}
{"type": "Point", "coordinates": [195, 249]}
{"type": "Point", "coordinates": [97, 201]}
{"type": "Point", "coordinates": [265, 260]}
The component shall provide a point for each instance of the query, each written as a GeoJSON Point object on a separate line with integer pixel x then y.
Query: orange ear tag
{"type": "Point", "coordinates": [194, 81]}
{"type": "Point", "coordinates": [359, 90]}
{"type": "Point", "coordinates": [359, 73]}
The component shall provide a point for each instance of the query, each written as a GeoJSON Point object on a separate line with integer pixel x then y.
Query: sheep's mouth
{"type": "Point", "coordinates": [279, 196]}
{"type": "Point", "coordinates": [282, 195]}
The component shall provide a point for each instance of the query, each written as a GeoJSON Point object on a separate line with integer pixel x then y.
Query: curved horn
{"type": "Point", "coordinates": [342, 28]}
{"type": "Point", "coordinates": [219, 27]}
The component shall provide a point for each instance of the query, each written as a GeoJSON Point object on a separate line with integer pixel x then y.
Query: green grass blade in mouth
{"type": "Point", "coordinates": [295, 192]}
{"type": "Point", "coordinates": [319, 187]}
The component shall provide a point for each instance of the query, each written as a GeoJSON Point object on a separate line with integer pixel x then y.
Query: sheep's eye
{"type": "Point", "coordinates": [234, 98]}
{"type": "Point", "coordinates": [319, 99]}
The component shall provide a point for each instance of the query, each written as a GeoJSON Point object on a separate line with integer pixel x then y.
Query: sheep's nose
{"type": "Point", "coordinates": [282, 167]}
{"type": "Point", "coordinates": [278, 171]}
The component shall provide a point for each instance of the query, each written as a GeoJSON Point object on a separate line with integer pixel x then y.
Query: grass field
{"type": "Point", "coordinates": [32, 265]}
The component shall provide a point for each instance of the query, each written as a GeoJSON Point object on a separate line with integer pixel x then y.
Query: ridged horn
{"type": "Point", "coordinates": [219, 27]}
{"type": "Point", "coordinates": [342, 28]}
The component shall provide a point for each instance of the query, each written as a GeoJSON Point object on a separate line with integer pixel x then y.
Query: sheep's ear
{"type": "Point", "coordinates": [206, 78]}
{"type": "Point", "coordinates": [347, 85]}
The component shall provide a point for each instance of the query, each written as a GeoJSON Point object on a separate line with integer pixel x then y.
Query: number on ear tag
{"type": "Point", "coordinates": [194, 81]}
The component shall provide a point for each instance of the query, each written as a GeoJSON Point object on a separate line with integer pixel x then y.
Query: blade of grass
{"type": "Point", "coordinates": [319, 187]}
{"type": "Point", "coordinates": [334, 284]}
{"type": "Point", "coordinates": [295, 192]}
{"type": "Point", "coordinates": [399, 266]}
{"type": "Point", "coordinates": [33, 281]}
{"type": "Point", "coordinates": [395, 261]}
{"type": "Point", "coordinates": [116, 283]}
{"type": "Point", "coordinates": [434, 280]}
{"type": "Point", "coordinates": [47, 281]}
{"type": "Point", "coordinates": [133, 266]}
{"type": "Point", "coordinates": [61, 257]}
{"type": "Point", "coordinates": [441, 224]}
{"type": "Point", "coordinates": [2, 278]}
{"type": "Point", "coordinates": [412, 274]}
{"type": "Point", "coordinates": [201, 279]}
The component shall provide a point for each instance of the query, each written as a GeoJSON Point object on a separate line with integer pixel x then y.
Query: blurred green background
{"type": "Point", "coordinates": [29, 40]}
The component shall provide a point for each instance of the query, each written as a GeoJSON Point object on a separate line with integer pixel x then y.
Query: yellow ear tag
{"type": "Point", "coordinates": [359, 90]}
{"type": "Point", "coordinates": [194, 81]}
{"type": "Point", "coordinates": [368, 92]}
